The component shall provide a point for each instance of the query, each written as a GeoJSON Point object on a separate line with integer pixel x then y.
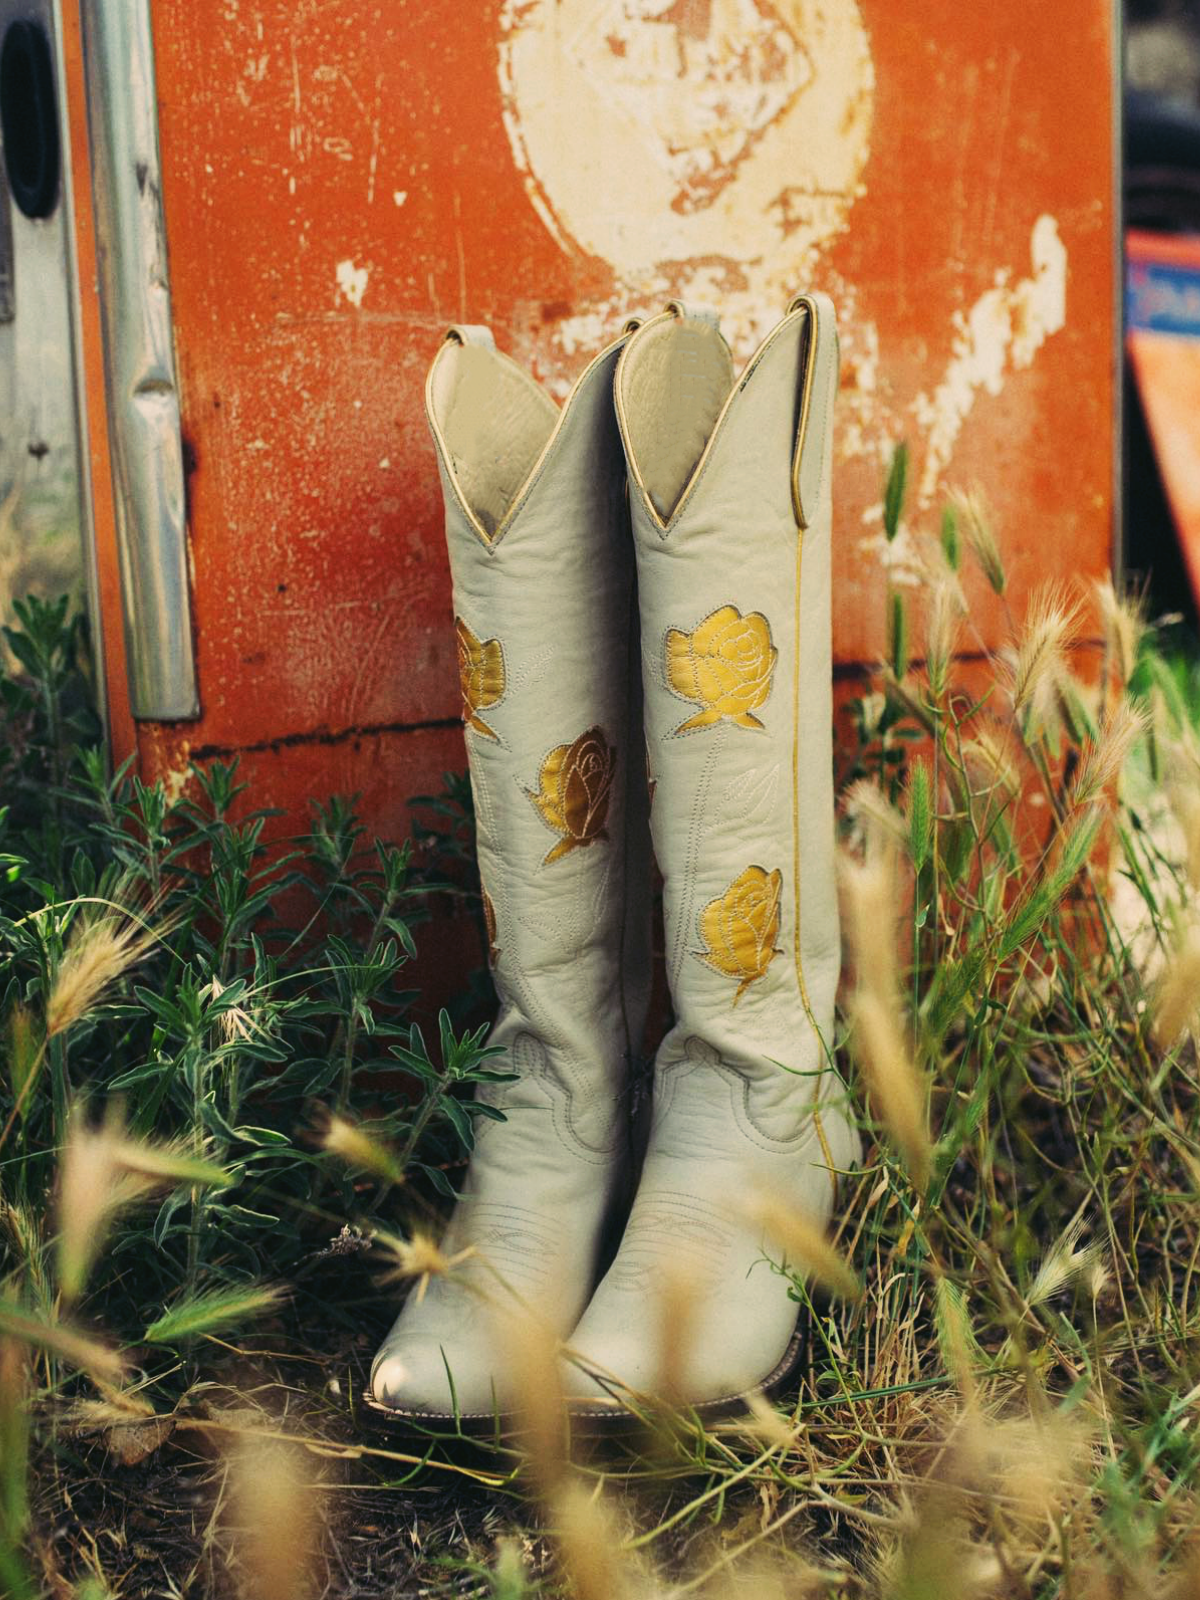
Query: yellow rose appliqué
{"type": "Point", "coordinates": [573, 790]}
{"type": "Point", "coordinates": [740, 928]}
{"type": "Point", "coordinates": [481, 672]}
{"type": "Point", "coordinates": [724, 666]}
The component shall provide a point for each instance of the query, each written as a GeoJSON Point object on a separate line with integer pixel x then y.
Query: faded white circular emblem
{"type": "Point", "coordinates": [672, 137]}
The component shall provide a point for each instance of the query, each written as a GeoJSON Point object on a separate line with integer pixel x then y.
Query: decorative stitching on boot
{"type": "Point", "coordinates": [691, 1230]}
{"type": "Point", "coordinates": [699, 1053]}
{"type": "Point", "coordinates": [692, 861]}
{"type": "Point", "coordinates": [574, 785]}
{"type": "Point", "coordinates": [739, 928]}
{"type": "Point", "coordinates": [725, 666]}
{"type": "Point", "coordinates": [531, 1059]}
{"type": "Point", "coordinates": [481, 674]}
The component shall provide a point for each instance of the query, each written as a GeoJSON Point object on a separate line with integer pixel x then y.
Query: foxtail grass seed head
{"type": "Point", "coordinates": [678, 1305]}
{"type": "Point", "coordinates": [236, 1022]}
{"type": "Point", "coordinates": [1040, 657]}
{"type": "Point", "coordinates": [360, 1150]}
{"type": "Point", "coordinates": [991, 764]}
{"type": "Point", "coordinates": [58, 1338]}
{"type": "Point", "coordinates": [86, 1182]}
{"type": "Point", "coordinates": [943, 622]}
{"type": "Point", "coordinates": [1177, 998]}
{"type": "Point", "coordinates": [1034, 1466]}
{"type": "Point", "coordinates": [948, 533]}
{"type": "Point", "coordinates": [919, 811]}
{"type": "Point", "coordinates": [1064, 1263]}
{"type": "Point", "coordinates": [975, 525]}
{"type": "Point", "coordinates": [589, 1547]}
{"type": "Point", "coordinates": [871, 906]}
{"type": "Point", "coordinates": [101, 1173]}
{"type": "Point", "coordinates": [530, 1360]}
{"type": "Point", "coordinates": [274, 1512]}
{"type": "Point", "coordinates": [896, 1088]}
{"type": "Point", "coordinates": [956, 1340]}
{"type": "Point", "coordinates": [1104, 758]}
{"type": "Point", "coordinates": [803, 1241]}
{"type": "Point", "coordinates": [1123, 618]}
{"type": "Point", "coordinates": [419, 1257]}
{"type": "Point", "coordinates": [101, 950]}
{"type": "Point", "coordinates": [25, 1056]}
{"type": "Point", "coordinates": [875, 818]}
{"type": "Point", "coordinates": [768, 1425]}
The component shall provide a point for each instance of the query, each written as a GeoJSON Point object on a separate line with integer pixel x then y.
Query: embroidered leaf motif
{"type": "Point", "coordinates": [740, 927]}
{"type": "Point", "coordinates": [724, 666]}
{"type": "Point", "coordinates": [573, 791]}
{"type": "Point", "coordinates": [481, 672]}
{"type": "Point", "coordinates": [489, 917]}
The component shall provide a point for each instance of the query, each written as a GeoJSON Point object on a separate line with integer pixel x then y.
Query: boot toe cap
{"type": "Point", "coordinates": [427, 1380]}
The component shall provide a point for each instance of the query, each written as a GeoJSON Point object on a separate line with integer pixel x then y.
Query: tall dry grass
{"type": "Point", "coordinates": [1002, 1375]}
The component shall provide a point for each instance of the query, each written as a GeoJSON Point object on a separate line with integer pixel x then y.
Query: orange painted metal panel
{"type": "Point", "coordinates": [340, 181]}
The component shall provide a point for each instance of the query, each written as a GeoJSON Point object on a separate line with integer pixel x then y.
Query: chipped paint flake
{"type": "Point", "coordinates": [177, 775]}
{"type": "Point", "coordinates": [399, 196]}
{"type": "Point", "coordinates": [352, 281]}
{"type": "Point", "coordinates": [1002, 332]}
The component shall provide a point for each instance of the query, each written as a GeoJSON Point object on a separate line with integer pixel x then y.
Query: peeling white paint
{"type": "Point", "coordinates": [175, 779]}
{"type": "Point", "coordinates": [352, 281]}
{"type": "Point", "coordinates": [657, 136]}
{"type": "Point", "coordinates": [900, 558]}
{"type": "Point", "coordinates": [399, 196]}
{"type": "Point", "coordinates": [1002, 332]}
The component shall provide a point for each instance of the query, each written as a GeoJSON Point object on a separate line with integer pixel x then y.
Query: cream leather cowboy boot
{"type": "Point", "coordinates": [538, 535]}
{"type": "Point", "coordinates": [730, 497]}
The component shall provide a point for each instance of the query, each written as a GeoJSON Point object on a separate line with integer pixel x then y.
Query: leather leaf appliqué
{"type": "Point", "coordinates": [573, 792]}
{"type": "Point", "coordinates": [739, 928]}
{"type": "Point", "coordinates": [481, 673]}
{"type": "Point", "coordinates": [724, 666]}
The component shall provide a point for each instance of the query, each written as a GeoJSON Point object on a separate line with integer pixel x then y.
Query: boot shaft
{"type": "Point", "coordinates": [543, 580]}
{"type": "Point", "coordinates": [731, 518]}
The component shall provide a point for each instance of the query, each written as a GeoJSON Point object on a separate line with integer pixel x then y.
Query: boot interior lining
{"type": "Point", "coordinates": [674, 381]}
{"type": "Point", "coordinates": [495, 421]}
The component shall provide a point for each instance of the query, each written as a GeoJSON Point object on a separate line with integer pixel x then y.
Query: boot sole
{"type": "Point", "coordinates": [588, 1418]}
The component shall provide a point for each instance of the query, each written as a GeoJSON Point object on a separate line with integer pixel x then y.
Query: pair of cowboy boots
{"type": "Point", "coordinates": [642, 591]}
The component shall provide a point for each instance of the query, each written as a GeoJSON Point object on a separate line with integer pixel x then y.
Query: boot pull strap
{"type": "Point", "coordinates": [471, 333]}
{"type": "Point", "coordinates": [816, 404]}
{"type": "Point", "coordinates": [682, 308]}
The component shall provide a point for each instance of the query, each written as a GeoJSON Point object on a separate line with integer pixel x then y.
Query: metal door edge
{"type": "Point", "coordinates": [143, 393]}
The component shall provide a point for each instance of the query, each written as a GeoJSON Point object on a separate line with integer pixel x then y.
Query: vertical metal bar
{"type": "Point", "coordinates": [95, 616]}
{"type": "Point", "coordinates": [143, 396]}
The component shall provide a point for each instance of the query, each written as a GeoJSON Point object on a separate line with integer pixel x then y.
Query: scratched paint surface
{"type": "Point", "coordinates": [341, 181]}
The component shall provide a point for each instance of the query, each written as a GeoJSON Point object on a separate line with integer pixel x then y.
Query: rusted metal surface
{"type": "Point", "coordinates": [341, 181]}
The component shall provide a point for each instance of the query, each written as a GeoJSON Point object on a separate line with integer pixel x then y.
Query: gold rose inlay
{"type": "Point", "coordinates": [740, 927]}
{"type": "Point", "coordinates": [481, 672]}
{"type": "Point", "coordinates": [573, 791]}
{"type": "Point", "coordinates": [724, 666]}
